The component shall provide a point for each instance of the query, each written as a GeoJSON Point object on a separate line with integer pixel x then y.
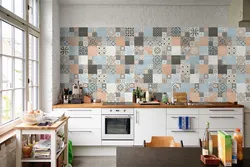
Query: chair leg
{"type": "Point", "coordinates": [182, 144]}
{"type": "Point", "coordinates": [144, 143]}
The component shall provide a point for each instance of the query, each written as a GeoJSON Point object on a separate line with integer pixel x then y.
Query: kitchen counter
{"type": "Point", "coordinates": [162, 105]}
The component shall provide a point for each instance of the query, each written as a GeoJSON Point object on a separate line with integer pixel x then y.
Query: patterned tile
{"type": "Point", "coordinates": [213, 63]}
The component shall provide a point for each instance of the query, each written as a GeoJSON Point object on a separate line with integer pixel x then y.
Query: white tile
{"type": "Point", "coordinates": [128, 97]}
{"type": "Point", "coordinates": [64, 78]}
{"type": "Point", "coordinates": [240, 50]}
{"type": "Point", "coordinates": [111, 87]}
{"type": "Point", "coordinates": [110, 50]}
{"type": "Point", "coordinates": [157, 78]}
{"type": "Point", "coordinates": [83, 60]}
{"type": "Point", "coordinates": [213, 60]}
{"type": "Point", "coordinates": [194, 78]}
{"type": "Point", "coordinates": [176, 50]}
{"type": "Point", "coordinates": [241, 87]}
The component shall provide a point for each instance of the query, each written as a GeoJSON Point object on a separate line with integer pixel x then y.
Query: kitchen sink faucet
{"type": "Point", "coordinates": [175, 85]}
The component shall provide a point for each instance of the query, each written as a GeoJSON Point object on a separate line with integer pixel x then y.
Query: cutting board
{"type": "Point", "coordinates": [180, 97]}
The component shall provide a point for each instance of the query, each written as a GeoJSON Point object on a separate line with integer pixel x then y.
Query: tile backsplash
{"type": "Point", "coordinates": [209, 63]}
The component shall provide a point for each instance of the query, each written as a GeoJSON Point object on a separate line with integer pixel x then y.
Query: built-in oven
{"type": "Point", "coordinates": [118, 124]}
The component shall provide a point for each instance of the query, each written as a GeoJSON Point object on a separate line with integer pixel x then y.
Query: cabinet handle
{"type": "Point", "coordinates": [81, 131]}
{"type": "Point", "coordinates": [80, 117]}
{"type": "Point", "coordinates": [222, 110]}
{"type": "Point", "coordinates": [183, 131]}
{"type": "Point", "coordinates": [224, 130]}
{"type": "Point", "coordinates": [137, 115]}
{"type": "Point", "coordinates": [222, 117]}
{"type": "Point", "coordinates": [80, 110]}
{"type": "Point", "coordinates": [178, 117]}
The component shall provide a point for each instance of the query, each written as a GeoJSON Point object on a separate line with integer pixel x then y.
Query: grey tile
{"type": "Point", "coordinates": [138, 41]}
{"type": "Point", "coordinates": [94, 34]}
{"type": "Point", "coordinates": [127, 71]}
{"type": "Point", "coordinates": [176, 59]}
{"type": "Point", "coordinates": [222, 69]}
{"type": "Point", "coordinates": [148, 78]}
{"type": "Point", "coordinates": [157, 32]}
{"type": "Point", "coordinates": [213, 32]}
{"type": "Point", "coordinates": [140, 61]}
{"type": "Point", "coordinates": [83, 31]}
{"type": "Point", "coordinates": [129, 60]}
{"type": "Point", "coordinates": [92, 69]}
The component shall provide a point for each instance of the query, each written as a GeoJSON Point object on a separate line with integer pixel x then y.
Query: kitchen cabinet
{"type": "Point", "coordinates": [190, 137]}
{"type": "Point", "coordinates": [247, 129]}
{"type": "Point", "coordinates": [149, 122]}
{"type": "Point", "coordinates": [84, 126]}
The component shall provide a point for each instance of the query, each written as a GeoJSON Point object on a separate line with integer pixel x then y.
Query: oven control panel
{"type": "Point", "coordinates": [118, 111]}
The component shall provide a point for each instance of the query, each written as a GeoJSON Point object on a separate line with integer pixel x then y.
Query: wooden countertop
{"type": "Point", "coordinates": [162, 105]}
{"type": "Point", "coordinates": [57, 124]}
{"type": "Point", "coordinates": [172, 157]}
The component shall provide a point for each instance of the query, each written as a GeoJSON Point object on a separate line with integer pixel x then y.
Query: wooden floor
{"type": "Point", "coordinates": [94, 162]}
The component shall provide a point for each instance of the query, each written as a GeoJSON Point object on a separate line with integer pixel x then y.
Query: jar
{"type": "Point", "coordinates": [164, 98]}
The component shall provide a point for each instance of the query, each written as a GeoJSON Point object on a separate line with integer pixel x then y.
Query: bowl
{"type": "Point", "coordinates": [32, 117]}
{"type": "Point", "coordinates": [97, 100]}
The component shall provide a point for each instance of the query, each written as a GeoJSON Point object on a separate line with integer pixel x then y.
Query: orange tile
{"type": "Point", "coordinates": [120, 69]}
{"type": "Point", "coordinates": [120, 41]}
{"type": "Point", "coordinates": [231, 97]}
{"type": "Point", "coordinates": [247, 69]}
{"type": "Point", "coordinates": [194, 96]}
{"type": "Point", "coordinates": [101, 95]}
{"type": "Point", "coordinates": [247, 41]}
{"type": "Point", "coordinates": [166, 69]}
{"type": "Point", "coordinates": [176, 41]}
{"type": "Point", "coordinates": [212, 97]}
{"type": "Point", "coordinates": [148, 50]}
{"type": "Point", "coordinates": [203, 41]}
{"type": "Point", "coordinates": [73, 41]}
{"type": "Point", "coordinates": [203, 69]}
{"type": "Point", "coordinates": [73, 68]}
{"type": "Point", "coordinates": [92, 50]}
{"type": "Point", "coordinates": [222, 50]}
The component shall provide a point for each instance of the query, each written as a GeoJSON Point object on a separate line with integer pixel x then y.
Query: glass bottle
{"type": "Point", "coordinates": [164, 98]}
{"type": "Point", "coordinates": [207, 142]}
{"type": "Point", "coordinates": [239, 139]}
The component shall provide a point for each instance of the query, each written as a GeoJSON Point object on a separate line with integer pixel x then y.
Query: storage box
{"type": "Point", "coordinates": [225, 148]}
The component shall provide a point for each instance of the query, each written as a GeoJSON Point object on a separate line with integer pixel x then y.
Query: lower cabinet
{"type": "Point", "coordinates": [85, 137]}
{"type": "Point", "coordinates": [189, 137]}
{"type": "Point", "coordinates": [149, 122]}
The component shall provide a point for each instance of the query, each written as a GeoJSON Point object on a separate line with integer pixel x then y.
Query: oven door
{"type": "Point", "coordinates": [117, 127]}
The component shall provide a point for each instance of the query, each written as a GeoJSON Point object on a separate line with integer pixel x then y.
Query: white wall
{"type": "Point", "coordinates": [142, 16]}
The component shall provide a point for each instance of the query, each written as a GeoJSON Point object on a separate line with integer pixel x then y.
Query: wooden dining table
{"type": "Point", "coordinates": [167, 157]}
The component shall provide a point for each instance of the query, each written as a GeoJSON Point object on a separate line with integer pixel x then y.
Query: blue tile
{"type": "Point", "coordinates": [73, 50]}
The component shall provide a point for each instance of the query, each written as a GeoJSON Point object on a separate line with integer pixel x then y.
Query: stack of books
{"type": "Point", "coordinates": [42, 149]}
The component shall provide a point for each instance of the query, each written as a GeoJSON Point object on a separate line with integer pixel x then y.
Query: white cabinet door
{"type": "Point", "coordinates": [148, 123]}
{"type": "Point", "coordinates": [85, 137]}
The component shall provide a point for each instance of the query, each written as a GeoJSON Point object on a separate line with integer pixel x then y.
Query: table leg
{"type": "Point", "coordinates": [18, 148]}
{"type": "Point", "coordinates": [53, 148]}
{"type": "Point", "coordinates": [65, 159]}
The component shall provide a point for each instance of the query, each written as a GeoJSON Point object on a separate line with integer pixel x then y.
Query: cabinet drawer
{"type": "Point", "coordinates": [85, 137]}
{"type": "Point", "coordinates": [82, 111]}
{"type": "Point", "coordinates": [85, 121]}
{"type": "Point", "coordinates": [221, 121]}
{"type": "Point", "coordinates": [189, 138]}
{"type": "Point", "coordinates": [220, 111]}
{"type": "Point", "coordinates": [173, 121]}
{"type": "Point", "coordinates": [182, 111]}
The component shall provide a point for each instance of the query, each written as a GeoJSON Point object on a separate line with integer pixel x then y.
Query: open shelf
{"type": "Point", "coordinates": [61, 150]}
{"type": "Point", "coordinates": [35, 160]}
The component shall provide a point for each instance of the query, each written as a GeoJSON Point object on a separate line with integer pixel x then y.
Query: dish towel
{"type": "Point", "coordinates": [184, 122]}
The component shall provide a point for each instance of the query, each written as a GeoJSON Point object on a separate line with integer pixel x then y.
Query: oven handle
{"type": "Point", "coordinates": [119, 116]}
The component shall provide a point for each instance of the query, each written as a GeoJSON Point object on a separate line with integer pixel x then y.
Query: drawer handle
{"type": "Point", "coordinates": [224, 130]}
{"type": "Point", "coordinates": [221, 117]}
{"type": "Point", "coordinates": [81, 131]}
{"type": "Point", "coordinates": [183, 131]}
{"type": "Point", "coordinates": [178, 117]}
{"type": "Point", "coordinates": [222, 110]}
{"type": "Point", "coordinates": [80, 117]}
{"type": "Point", "coordinates": [80, 110]}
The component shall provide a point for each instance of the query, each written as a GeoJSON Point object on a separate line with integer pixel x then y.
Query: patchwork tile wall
{"type": "Point", "coordinates": [210, 64]}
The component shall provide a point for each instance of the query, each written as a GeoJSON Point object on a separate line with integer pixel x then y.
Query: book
{"type": "Point", "coordinates": [225, 148]}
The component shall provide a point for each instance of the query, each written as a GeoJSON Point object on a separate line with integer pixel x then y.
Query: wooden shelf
{"type": "Point", "coordinates": [35, 160]}
{"type": "Point", "coordinates": [62, 149]}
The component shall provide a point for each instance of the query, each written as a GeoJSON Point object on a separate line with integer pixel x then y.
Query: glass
{"type": "Point", "coordinates": [18, 73]}
{"type": "Point", "coordinates": [35, 48]}
{"type": "Point", "coordinates": [18, 8]}
{"type": "Point", "coordinates": [19, 42]}
{"type": "Point", "coordinates": [7, 4]}
{"type": "Point", "coordinates": [117, 126]}
{"type": "Point", "coordinates": [6, 106]}
{"type": "Point", "coordinates": [33, 12]}
{"type": "Point", "coordinates": [18, 108]}
{"type": "Point", "coordinates": [6, 73]}
{"type": "Point", "coordinates": [6, 39]}
{"type": "Point", "coordinates": [35, 73]}
{"type": "Point", "coordinates": [31, 74]}
{"type": "Point", "coordinates": [35, 98]}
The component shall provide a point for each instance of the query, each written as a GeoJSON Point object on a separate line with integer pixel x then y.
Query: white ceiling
{"type": "Point", "coordinates": [147, 2]}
